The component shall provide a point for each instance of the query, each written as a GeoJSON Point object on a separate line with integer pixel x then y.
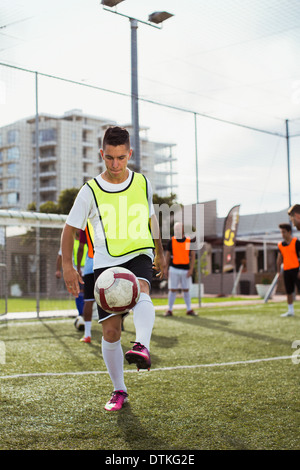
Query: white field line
{"type": "Point", "coordinates": [161, 369]}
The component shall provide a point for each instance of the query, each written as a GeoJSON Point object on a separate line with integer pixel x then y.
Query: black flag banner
{"type": "Point", "coordinates": [229, 238]}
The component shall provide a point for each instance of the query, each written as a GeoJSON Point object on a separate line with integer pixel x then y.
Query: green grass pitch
{"type": "Point", "coordinates": [225, 380]}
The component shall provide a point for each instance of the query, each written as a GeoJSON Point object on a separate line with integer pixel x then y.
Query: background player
{"type": "Point", "coordinates": [288, 255]}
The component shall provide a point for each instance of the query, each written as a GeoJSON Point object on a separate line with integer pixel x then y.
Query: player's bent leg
{"type": "Point", "coordinates": [143, 317]}
{"type": "Point", "coordinates": [112, 328]}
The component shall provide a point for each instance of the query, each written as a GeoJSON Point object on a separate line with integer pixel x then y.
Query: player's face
{"type": "Point", "coordinates": [116, 159]}
{"type": "Point", "coordinates": [295, 219]}
{"type": "Point", "coordinates": [285, 234]}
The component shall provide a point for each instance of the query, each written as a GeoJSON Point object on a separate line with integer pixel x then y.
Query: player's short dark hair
{"type": "Point", "coordinates": [285, 226]}
{"type": "Point", "coordinates": [115, 136]}
{"type": "Point", "coordinates": [295, 209]}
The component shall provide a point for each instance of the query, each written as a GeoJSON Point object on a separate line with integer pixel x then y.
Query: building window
{"type": "Point", "coordinates": [45, 135]}
{"type": "Point", "coordinates": [13, 198]}
{"type": "Point", "coordinates": [12, 168]}
{"type": "Point", "coordinates": [12, 136]}
{"type": "Point", "coordinates": [13, 153]}
{"type": "Point", "coordinates": [13, 183]}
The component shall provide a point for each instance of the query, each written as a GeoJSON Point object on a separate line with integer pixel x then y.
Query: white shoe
{"type": "Point", "coordinates": [287, 314]}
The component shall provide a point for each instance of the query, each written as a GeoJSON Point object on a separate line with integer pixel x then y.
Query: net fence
{"type": "Point", "coordinates": [29, 255]}
{"type": "Point", "coordinates": [51, 130]}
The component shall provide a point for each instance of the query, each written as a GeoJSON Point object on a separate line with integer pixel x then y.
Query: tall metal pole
{"type": "Point", "coordinates": [37, 173]}
{"type": "Point", "coordinates": [134, 95]}
{"type": "Point", "coordinates": [196, 154]}
{"type": "Point", "coordinates": [288, 159]}
{"type": "Point", "coordinates": [197, 207]}
{"type": "Point", "coordinates": [37, 149]}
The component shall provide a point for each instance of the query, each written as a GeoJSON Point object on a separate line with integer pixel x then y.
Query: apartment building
{"type": "Point", "coordinates": [68, 155]}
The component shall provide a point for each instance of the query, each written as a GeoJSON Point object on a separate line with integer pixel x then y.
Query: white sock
{"type": "Point", "coordinates": [171, 299]}
{"type": "Point", "coordinates": [187, 299]}
{"type": "Point", "coordinates": [114, 360]}
{"type": "Point", "coordinates": [143, 319]}
{"type": "Point", "coordinates": [87, 329]}
{"type": "Point", "coordinates": [291, 308]}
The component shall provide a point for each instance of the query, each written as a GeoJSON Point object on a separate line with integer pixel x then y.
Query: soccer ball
{"type": "Point", "coordinates": [117, 290]}
{"type": "Point", "coordinates": [79, 323]}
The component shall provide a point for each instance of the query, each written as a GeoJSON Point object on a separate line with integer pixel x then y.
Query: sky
{"type": "Point", "coordinates": [218, 82]}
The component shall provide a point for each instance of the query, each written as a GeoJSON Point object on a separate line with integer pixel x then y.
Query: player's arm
{"type": "Point", "coordinates": [168, 261]}
{"type": "Point", "coordinates": [279, 262]}
{"type": "Point", "coordinates": [58, 267]}
{"type": "Point", "coordinates": [192, 263]}
{"type": "Point", "coordinates": [71, 276]}
{"type": "Point", "coordinates": [298, 254]}
{"type": "Point", "coordinates": [159, 260]}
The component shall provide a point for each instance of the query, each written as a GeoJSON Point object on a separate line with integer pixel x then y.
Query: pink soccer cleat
{"type": "Point", "coordinates": [140, 356]}
{"type": "Point", "coordinates": [118, 398]}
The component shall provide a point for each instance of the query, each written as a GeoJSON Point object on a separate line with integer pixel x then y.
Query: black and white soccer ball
{"type": "Point", "coordinates": [79, 323]}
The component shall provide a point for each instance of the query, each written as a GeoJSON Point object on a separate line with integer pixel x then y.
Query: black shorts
{"type": "Point", "coordinates": [141, 266]}
{"type": "Point", "coordinates": [291, 280]}
{"type": "Point", "coordinates": [88, 287]}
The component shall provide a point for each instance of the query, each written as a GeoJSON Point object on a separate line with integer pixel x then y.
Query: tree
{"type": "Point", "coordinates": [66, 200]}
{"type": "Point", "coordinates": [63, 206]}
{"type": "Point", "coordinates": [50, 207]}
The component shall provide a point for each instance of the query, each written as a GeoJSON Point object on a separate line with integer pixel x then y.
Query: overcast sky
{"type": "Point", "coordinates": [234, 61]}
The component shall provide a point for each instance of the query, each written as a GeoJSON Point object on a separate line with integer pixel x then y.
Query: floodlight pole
{"type": "Point", "coordinates": [135, 95]}
{"type": "Point", "coordinates": [134, 84]}
{"type": "Point", "coordinates": [197, 207]}
{"type": "Point", "coordinates": [288, 160]}
{"type": "Point", "coordinates": [37, 169]}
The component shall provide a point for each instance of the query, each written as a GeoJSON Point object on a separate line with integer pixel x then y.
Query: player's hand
{"type": "Point", "coordinates": [159, 265]}
{"type": "Point", "coordinates": [72, 280]}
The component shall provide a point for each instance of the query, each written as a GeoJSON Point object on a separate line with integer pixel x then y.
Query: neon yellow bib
{"type": "Point", "coordinates": [124, 216]}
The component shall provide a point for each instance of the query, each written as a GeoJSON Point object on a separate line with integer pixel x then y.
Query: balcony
{"type": "Point", "coordinates": [50, 188]}
{"type": "Point", "coordinates": [87, 144]}
{"type": "Point", "coordinates": [46, 143]}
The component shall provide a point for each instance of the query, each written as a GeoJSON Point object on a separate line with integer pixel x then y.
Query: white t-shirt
{"type": "Point", "coordinates": [84, 208]}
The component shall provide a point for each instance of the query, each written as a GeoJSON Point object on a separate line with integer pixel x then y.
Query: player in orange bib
{"type": "Point", "coordinates": [288, 255]}
{"type": "Point", "coordinates": [180, 261]}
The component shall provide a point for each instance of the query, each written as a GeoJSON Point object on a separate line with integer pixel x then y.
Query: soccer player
{"type": "Point", "coordinates": [88, 279]}
{"type": "Point", "coordinates": [289, 250]}
{"type": "Point", "coordinates": [118, 204]}
{"type": "Point", "coordinates": [294, 213]}
{"type": "Point", "coordinates": [79, 300]}
{"type": "Point", "coordinates": [180, 262]}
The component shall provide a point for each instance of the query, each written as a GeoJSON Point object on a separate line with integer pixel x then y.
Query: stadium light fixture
{"type": "Point", "coordinates": [159, 16]}
{"type": "Point", "coordinates": [155, 20]}
{"type": "Point", "coordinates": [111, 3]}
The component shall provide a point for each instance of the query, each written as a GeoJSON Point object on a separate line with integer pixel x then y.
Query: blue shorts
{"type": "Point", "coordinates": [140, 265]}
